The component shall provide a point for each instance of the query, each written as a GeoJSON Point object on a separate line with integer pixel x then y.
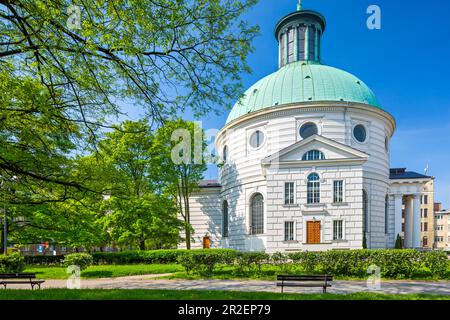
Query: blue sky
{"type": "Point", "coordinates": [406, 64]}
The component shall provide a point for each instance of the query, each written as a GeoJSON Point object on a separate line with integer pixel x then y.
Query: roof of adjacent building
{"type": "Point", "coordinates": [303, 82]}
{"type": "Point", "coordinates": [401, 173]}
{"type": "Point", "coordinates": [209, 184]}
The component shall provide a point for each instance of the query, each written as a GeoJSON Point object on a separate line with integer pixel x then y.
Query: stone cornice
{"type": "Point", "coordinates": [325, 106]}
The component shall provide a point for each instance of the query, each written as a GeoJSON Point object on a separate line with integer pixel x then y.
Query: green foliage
{"type": "Point", "coordinates": [62, 87]}
{"type": "Point", "coordinates": [203, 262]}
{"type": "Point", "coordinates": [400, 264]}
{"type": "Point", "coordinates": [12, 263]}
{"type": "Point", "coordinates": [44, 260]}
{"type": "Point", "coordinates": [398, 242]}
{"type": "Point", "coordinates": [182, 161]}
{"type": "Point", "coordinates": [250, 262]}
{"type": "Point", "coordinates": [82, 260]}
{"type": "Point", "coordinates": [282, 261]}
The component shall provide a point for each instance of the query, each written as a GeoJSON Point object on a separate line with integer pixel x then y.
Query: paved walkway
{"type": "Point", "coordinates": [149, 282]}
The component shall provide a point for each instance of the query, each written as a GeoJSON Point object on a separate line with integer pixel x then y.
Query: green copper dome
{"type": "Point", "coordinates": [303, 81]}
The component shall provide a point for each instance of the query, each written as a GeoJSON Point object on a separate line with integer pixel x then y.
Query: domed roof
{"type": "Point", "coordinates": [303, 81]}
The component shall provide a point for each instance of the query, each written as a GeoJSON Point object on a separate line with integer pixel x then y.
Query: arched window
{"type": "Point", "coordinates": [225, 219]}
{"type": "Point", "coordinates": [225, 154]}
{"type": "Point", "coordinates": [257, 214]}
{"type": "Point", "coordinates": [313, 188]}
{"type": "Point", "coordinates": [365, 212]}
{"type": "Point", "coordinates": [386, 215]}
{"type": "Point", "coordinates": [313, 155]}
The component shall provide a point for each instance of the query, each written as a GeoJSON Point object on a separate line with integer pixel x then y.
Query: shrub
{"type": "Point", "coordinates": [82, 260]}
{"type": "Point", "coordinates": [251, 261]}
{"type": "Point", "coordinates": [393, 263]}
{"type": "Point", "coordinates": [148, 257]}
{"type": "Point", "coordinates": [44, 260]}
{"type": "Point", "coordinates": [203, 262]}
{"type": "Point", "coordinates": [13, 263]}
{"type": "Point", "coordinates": [281, 260]}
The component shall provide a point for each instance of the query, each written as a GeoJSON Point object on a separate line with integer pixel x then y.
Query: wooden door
{"type": "Point", "coordinates": [206, 242]}
{"type": "Point", "coordinates": [313, 232]}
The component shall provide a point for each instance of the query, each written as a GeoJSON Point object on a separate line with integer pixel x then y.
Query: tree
{"type": "Point", "coordinates": [398, 242]}
{"type": "Point", "coordinates": [135, 211]}
{"type": "Point", "coordinates": [163, 55]}
{"type": "Point", "coordinates": [149, 220]}
{"type": "Point", "coordinates": [181, 146]}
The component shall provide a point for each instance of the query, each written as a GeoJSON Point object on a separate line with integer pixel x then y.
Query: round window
{"type": "Point", "coordinates": [359, 132]}
{"type": "Point", "coordinates": [308, 129]}
{"type": "Point", "coordinates": [256, 139]}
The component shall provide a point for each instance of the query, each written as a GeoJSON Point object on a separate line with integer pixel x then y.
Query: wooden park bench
{"type": "Point", "coordinates": [318, 281]}
{"type": "Point", "coordinates": [20, 278]}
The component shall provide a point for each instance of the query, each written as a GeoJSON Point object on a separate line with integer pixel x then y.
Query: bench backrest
{"type": "Point", "coordinates": [17, 275]}
{"type": "Point", "coordinates": [322, 278]}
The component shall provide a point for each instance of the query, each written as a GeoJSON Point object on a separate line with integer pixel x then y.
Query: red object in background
{"type": "Point", "coordinates": [45, 244]}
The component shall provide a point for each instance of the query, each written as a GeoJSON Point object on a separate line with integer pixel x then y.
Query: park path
{"type": "Point", "coordinates": [151, 282]}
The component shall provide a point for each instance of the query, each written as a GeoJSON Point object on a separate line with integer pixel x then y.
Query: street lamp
{"type": "Point", "coordinates": [5, 221]}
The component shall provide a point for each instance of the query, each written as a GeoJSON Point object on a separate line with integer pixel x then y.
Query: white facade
{"type": "Point", "coordinates": [279, 199]}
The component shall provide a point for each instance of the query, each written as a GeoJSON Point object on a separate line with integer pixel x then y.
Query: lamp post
{"type": "Point", "coordinates": [5, 221]}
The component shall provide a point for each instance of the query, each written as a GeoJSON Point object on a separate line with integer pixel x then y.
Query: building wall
{"type": "Point", "coordinates": [206, 218]}
{"type": "Point", "coordinates": [427, 207]}
{"type": "Point", "coordinates": [350, 211]}
{"type": "Point", "coordinates": [442, 230]}
{"type": "Point", "coordinates": [242, 175]}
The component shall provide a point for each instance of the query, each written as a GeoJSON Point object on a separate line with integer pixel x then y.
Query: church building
{"type": "Point", "coordinates": [305, 161]}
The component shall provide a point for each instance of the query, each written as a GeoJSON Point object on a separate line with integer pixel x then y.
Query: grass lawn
{"type": "Point", "coordinates": [101, 294]}
{"type": "Point", "coordinates": [105, 271]}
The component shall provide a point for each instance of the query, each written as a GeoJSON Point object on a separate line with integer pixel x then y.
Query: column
{"type": "Point", "coordinates": [417, 232]}
{"type": "Point", "coordinates": [408, 222]}
{"type": "Point", "coordinates": [296, 58]}
{"type": "Point", "coordinates": [398, 207]}
{"type": "Point", "coordinates": [307, 43]}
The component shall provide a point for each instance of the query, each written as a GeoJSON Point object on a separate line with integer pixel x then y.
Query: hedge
{"type": "Point", "coordinates": [400, 264]}
{"type": "Point", "coordinates": [148, 257]}
{"type": "Point", "coordinates": [44, 260]}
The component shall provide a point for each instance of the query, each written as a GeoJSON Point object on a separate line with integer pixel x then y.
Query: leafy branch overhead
{"type": "Point", "coordinates": [164, 55]}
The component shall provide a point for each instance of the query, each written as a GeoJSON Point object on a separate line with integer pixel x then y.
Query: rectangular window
{"type": "Point", "coordinates": [301, 42]}
{"type": "Point", "coordinates": [338, 193]}
{"type": "Point", "coordinates": [312, 42]}
{"type": "Point", "coordinates": [289, 231]}
{"type": "Point", "coordinates": [425, 199]}
{"type": "Point", "coordinates": [313, 192]}
{"type": "Point", "coordinates": [425, 226]}
{"type": "Point", "coordinates": [291, 45]}
{"type": "Point", "coordinates": [425, 213]}
{"type": "Point", "coordinates": [337, 230]}
{"type": "Point", "coordinates": [289, 193]}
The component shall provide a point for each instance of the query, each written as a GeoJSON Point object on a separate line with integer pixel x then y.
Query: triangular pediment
{"type": "Point", "coordinates": [333, 152]}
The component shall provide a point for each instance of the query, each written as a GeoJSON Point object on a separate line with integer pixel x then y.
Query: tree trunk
{"type": "Point", "coordinates": [188, 237]}
{"type": "Point", "coordinates": [142, 244]}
